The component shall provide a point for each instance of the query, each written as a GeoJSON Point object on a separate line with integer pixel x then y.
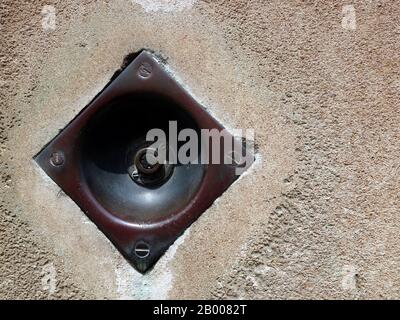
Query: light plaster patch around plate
{"type": "Point", "coordinates": [164, 5]}
{"type": "Point", "coordinates": [61, 93]}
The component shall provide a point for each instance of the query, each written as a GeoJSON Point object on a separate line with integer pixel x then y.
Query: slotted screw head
{"type": "Point", "coordinates": [145, 70]}
{"type": "Point", "coordinates": [57, 158]}
{"type": "Point", "coordinates": [142, 249]}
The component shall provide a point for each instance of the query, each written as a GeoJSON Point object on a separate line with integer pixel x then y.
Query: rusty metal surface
{"type": "Point", "coordinates": [141, 240]}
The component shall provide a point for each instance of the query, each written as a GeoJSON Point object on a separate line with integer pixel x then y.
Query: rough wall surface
{"type": "Point", "coordinates": [317, 215]}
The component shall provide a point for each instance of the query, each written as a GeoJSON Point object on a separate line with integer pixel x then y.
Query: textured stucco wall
{"type": "Point", "coordinates": [317, 215]}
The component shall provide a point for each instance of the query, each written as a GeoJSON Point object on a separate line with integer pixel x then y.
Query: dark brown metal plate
{"type": "Point", "coordinates": [141, 240]}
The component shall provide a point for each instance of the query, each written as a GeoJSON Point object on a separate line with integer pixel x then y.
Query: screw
{"type": "Point", "coordinates": [141, 163]}
{"type": "Point", "coordinates": [145, 70]}
{"type": "Point", "coordinates": [237, 159]}
{"type": "Point", "coordinates": [135, 174]}
{"type": "Point", "coordinates": [57, 158]}
{"type": "Point", "coordinates": [142, 249]}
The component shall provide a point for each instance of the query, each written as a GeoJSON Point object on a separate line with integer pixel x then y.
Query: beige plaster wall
{"type": "Point", "coordinates": [316, 216]}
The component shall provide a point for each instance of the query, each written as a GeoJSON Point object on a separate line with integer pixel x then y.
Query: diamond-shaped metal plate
{"type": "Point", "coordinates": [141, 241]}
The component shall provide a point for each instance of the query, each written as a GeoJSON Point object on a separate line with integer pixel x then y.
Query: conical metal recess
{"type": "Point", "coordinates": [97, 160]}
